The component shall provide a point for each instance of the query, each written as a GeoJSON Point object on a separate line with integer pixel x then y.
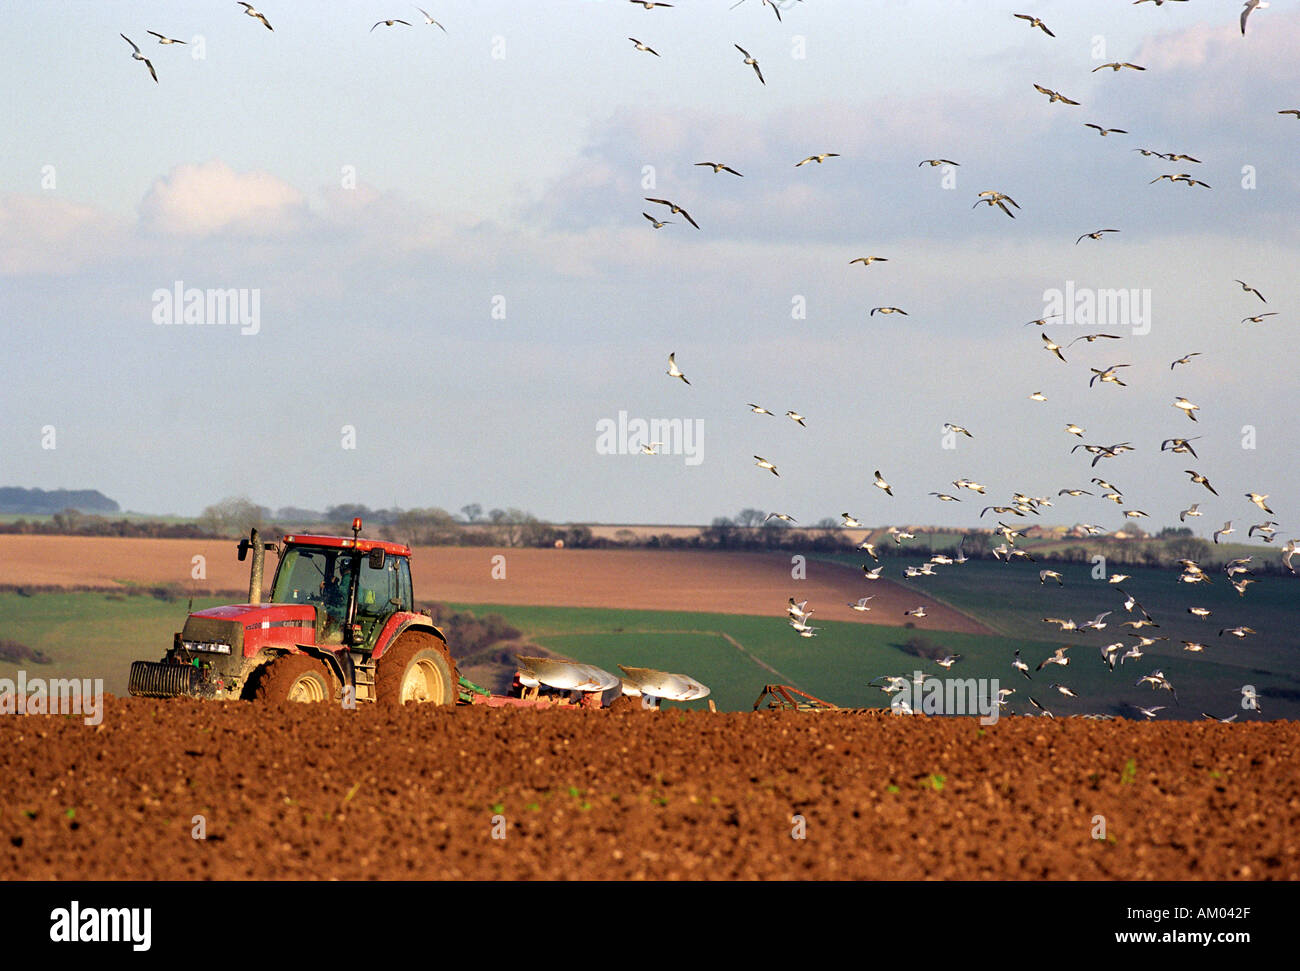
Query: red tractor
{"type": "Point", "coordinates": [340, 625]}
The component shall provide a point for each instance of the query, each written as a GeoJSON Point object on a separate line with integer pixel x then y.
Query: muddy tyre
{"type": "Point", "coordinates": [419, 668]}
{"type": "Point", "coordinates": [294, 678]}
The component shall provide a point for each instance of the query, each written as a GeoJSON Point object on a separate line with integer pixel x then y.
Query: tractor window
{"type": "Point", "coordinates": [301, 576]}
{"type": "Point", "coordinates": [377, 587]}
{"type": "Point", "coordinates": [404, 585]}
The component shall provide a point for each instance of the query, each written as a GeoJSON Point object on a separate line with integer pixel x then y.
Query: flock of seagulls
{"type": "Point", "coordinates": [1119, 375]}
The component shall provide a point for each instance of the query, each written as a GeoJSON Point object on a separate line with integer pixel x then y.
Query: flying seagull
{"type": "Point", "coordinates": [658, 223]}
{"type": "Point", "coordinates": [719, 167]}
{"type": "Point", "coordinates": [822, 157]}
{"type": "Point", "coordinates": [751, 62]}
{"type": "Point", "coordinates": [1096, 235]}
{"type": "Point", "coordinates": [868, 260]}
{"type": "Point", "coordinates": [1034, 22]}
{"type": "Point", "coordinates": [642, 47]}
{"type": "Point", "coordinates": [390, 23]}
{"type": "Point", "coordinates": [1105, 131]}
{"type": "Point", "coordinates": [1249, 289]}
{"type": "Point", "coordinates": [1054, 96]}
{"type": "Point", "coordinates": [164, 40]}
{"type": "Point", "coordinates": [248, 9]}
{"type": "Point", "coordinates": [672, 371]}
{"type": "Point", "coordinates": [1116, 65]}
{"type": "Point", "coordinates": [140, 57]}
{"type": "Point", "coordinates": [763, 463]}
{"type": "Point", "coordinates": [1250, 6]}
{"type": "Point", "coordinates": [430, 21]}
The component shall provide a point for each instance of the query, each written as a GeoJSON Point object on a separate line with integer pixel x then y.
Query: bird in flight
{"type": "Point", "coordinates": [1185, 359]}
{"type": "Point", "coordinates": [1054, 96]}
{"type": "Point", "coordinates": [932, 162]}
{"type": "Point", "coordinates": [1116, 65]}
{"type": "Point", "coordinates": [1187, 407]}
{"type": "Point", "coordinates": [1251, 5]}
{"type": "Point", "coordinates": [817, 158]}
{"type": "Point", "coordinates": [718, 166]}
{"type": "Point", "coordinates": [882, 484]}
{"type": "Point", "coordinates": [1052, 346]}
{"type": "Point", "coordinates": [868, 260]}
{"type": "Point", "coordinates": [248, 9]}
{"type": "Point", "coordinates": [658, 223]}
{"type": "Point", "coordinates": [1259, 319]}
{"type": "Point", "coordinates": [1249, 289]}
{"type": "Point", "coordinates": [651, 4]}
{"type": "Point", "coordinates": [763, 463]}
{"type": "Point", "coordinates": [164, 40]}
{"type": "Point", "coordinates": [1105, 131]}
{"type": "Point", "coordinates": [140, 57]}
{"type": "Point", "coordinates": [888, 310]}
{"type": "Point", "coordinates": [1200, 479]}
{"type": "Point", "coordinates": [1258, 500]}
{"type": "Point", "coordinates": [758, 409]}
{"type": "Point", "coordinates": [795, 416]}
{"type": "Point", "coordinates": [430, 21]}
{"type": "Point", "coordinates": [642, 47]}
{"type": "Point", "coordinates": [390, 23]}
{"type": "Point", "coordinates": [675, 209]}
{"type": "Point", "coordinates": [1096, 235]}
{"type": "Point", "coordinates": [1034, 22]}
{"type": "Point", "coordinates": [1107, 376]}
{"type": "Point", "coordinates": [751, 62]}
{"type": "Point", "coordinates": [673, 371]}
{"type": "Point", "coordinates": [1290, 111]}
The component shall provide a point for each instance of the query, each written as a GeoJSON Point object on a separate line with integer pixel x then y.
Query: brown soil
{"type": "Point", "coordinates": [703, 581]}
{"type": "Point", "coordinates": [313, 791]}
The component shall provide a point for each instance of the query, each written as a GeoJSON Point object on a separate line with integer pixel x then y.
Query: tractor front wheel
{"type": "Point", "coordinates": [418, 668]}
{"type": "Point", "coordinates": [294, 677]}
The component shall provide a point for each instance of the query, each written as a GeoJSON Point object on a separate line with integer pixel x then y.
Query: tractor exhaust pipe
{"type": "Point", "coordinates": [255, 574]}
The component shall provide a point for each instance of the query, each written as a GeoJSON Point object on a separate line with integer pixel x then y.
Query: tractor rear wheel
{"type": "Point", "coordinates": [294, 677]}
{"type": "Point", "coordinates": [419, 668]}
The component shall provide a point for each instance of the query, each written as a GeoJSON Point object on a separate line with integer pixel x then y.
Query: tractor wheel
{"type": "Point", "coordinates": [418, 668]}
{"type": "Point", "coordinates": [294, 677]}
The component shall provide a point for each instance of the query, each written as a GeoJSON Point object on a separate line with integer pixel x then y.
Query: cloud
{"type": "Point", "coordinates": [212, 199]}
{"type": "Point", "coordinates": [44, 234]}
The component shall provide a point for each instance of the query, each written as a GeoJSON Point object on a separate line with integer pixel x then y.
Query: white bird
{"type": "Point", "coordinates": [1249, 289]}
{"type": "Point", "coordinates": [642, 47]}
{"type": "Point", "coordinates": [390, 23]}
{"type": "Point", "coordinates": [429, 21]}
{"type": "Point", "coordinates": [819, 159]}
{"type": "Point", "coordinates": [1044, 574]}
{"type": "Point", "coordinates": [861, 605]}
{"type": "Point", "coordinates": [917, 612]}
{"type": "Point", "coordinates": [947, 662]}
{"type": "Point", "coordinates": [719, 167]}
{"type": "Point", "coordinates": [248, 9]}
{"type": "Point", "coordinates": [140, 57]}
{"type": "Point", "coordinates": [796, 417]}
{"type": "Point", "coordinates": [1054, 96]}
{"type": "Point", "coordinates": [751, 62]}
{"type": "Point", "coordinates": [763, 463]}
{"type": "Point", "coordinates": [1258, 500]}
{"type": "Point", "coordinates": [882, 484]}
{"type": "Point", "coordinates": [779, 515]}
{"type": "Point", "coordinates": [1251, 5]}
{"type": "Point", "coordinates": [1187, 407]}
{"type": "Point", "coordinates": [164, 40]}
{"type": "Point", "coordinates": [673, 371]}
{"type": "Point", "coordinates": [873, 573]}
{"type": "Point", "coordinates": [1034, 22]}
{"type": "Point", "coordinates": [1021, 666]}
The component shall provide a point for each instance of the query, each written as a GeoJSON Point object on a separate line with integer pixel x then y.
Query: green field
{"type": "Point", "coordinates": [97, 635]}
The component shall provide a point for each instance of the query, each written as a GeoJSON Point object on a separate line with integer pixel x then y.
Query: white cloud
{"type": "Point", "coordinates": [212, 199]}
{"type": "Point", "coordinates": [45, 234]}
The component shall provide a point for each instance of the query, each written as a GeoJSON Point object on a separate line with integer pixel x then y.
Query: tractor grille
{"type": "Point", "coordinates": [150, 679]}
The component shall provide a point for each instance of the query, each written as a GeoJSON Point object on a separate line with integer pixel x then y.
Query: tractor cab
{"type": "Point", "coordinates": [354, 585]}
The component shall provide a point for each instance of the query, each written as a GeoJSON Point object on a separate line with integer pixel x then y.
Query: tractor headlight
{"type": "Point", "coordinates": [206, 647]}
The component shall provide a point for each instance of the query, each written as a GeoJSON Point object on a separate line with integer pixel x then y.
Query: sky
{"type": "Point", "coordinates": [453, 294]}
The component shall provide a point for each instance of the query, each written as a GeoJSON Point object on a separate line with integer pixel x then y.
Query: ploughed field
{"type": "Point", "coordinates": [315, 791]}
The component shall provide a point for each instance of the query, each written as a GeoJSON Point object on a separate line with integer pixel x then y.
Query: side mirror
{"type": "Point", "coordinates": [376, 559]}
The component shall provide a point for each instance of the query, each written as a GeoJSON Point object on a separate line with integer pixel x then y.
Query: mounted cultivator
{"type": "Point", "coordinates": [341, 626]}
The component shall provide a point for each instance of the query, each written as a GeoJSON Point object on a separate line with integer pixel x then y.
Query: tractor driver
{"type": "Point", "coordinates": [334, 595]}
